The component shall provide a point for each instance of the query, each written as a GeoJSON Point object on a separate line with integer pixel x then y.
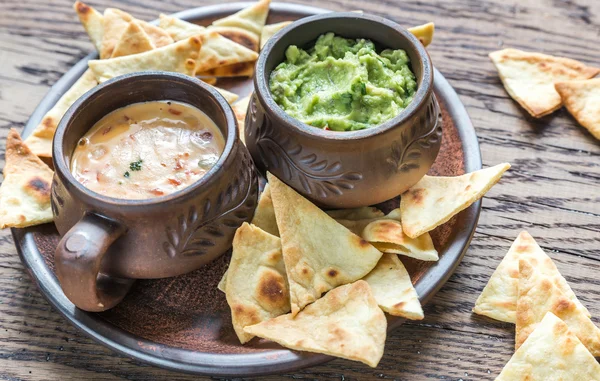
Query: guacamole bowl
{"type": "Point", "coordinates": [345, 169]}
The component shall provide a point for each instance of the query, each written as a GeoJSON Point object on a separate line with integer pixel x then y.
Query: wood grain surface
{"type": "Point", "coordinates": [552, 189]}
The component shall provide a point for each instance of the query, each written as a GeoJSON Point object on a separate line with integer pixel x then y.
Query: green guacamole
{"type": "Point", "coordinates": [343, 84]}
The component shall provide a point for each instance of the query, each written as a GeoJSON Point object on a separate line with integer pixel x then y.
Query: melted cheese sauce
{"type": "Point", "coordinates": [147, 150]}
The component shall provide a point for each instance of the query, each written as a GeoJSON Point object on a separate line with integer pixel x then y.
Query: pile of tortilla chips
{"type": "Point", "coordinates": [321, 281]}
{"type": "Point", "coordinates": [554, 333]}
{"type": "Point", "coordinates": [542, 84]}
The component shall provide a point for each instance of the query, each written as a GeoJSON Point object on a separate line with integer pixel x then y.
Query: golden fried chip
{"type": "Point", "coordinates": [345, 323]}
{"type": "Point", "coordinates": [92, 21]}
{"type": "Point", "coordinates": [269, 30]}
{"type": "Point", "coordinates": [25, 190]}
{"type": "Point", "coordinates": [498, 300]}
{"type": "Point", "coordinates": [228, 95]}
{"type": "Point", "coordinates": [256, 284]}
{"type": "Point", "coordinates": [434, 200]}
{"type": "Point", "coordinates": [114, 24]}
{"type": "Point", "coordinates": [252, 18]}
{"type": "Point", "coordinates": [539, 294]}
{"type": "Point", "coordinates": [393, 289]}
{"type": "Point", "coordinates": [218, 51]}
{"type": "Point", "coordinates": [529, 77]}
{"type": "Point", "coordinates": [134, 40]}
{"type": "Point", "coordinates": [423, 32]}
{"type": "Point", "coordinates": [179, 29]}
{"type": "Point", "coordinates": [319, 253]}
{"type": "Point", "coordinates": [551, 352]}
{"type": "Point", "coordinates": [387, 235]}
{"type": "Point", "coordinates": [582, 99]}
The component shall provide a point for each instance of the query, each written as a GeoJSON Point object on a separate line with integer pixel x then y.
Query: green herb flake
{"type": "Point", "coordinates": [126, 174]}
{"type": "Point", "coordinates": [136, 165]}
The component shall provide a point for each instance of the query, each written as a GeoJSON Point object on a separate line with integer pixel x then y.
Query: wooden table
{"type": "Point", "coordinates": [552, 189]}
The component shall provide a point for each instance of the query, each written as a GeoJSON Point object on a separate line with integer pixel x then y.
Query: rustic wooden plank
{"type": "Point", "coordinates": [550, 191]}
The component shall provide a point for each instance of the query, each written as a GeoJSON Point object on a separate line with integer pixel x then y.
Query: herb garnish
{"type": "Point", "coordinates": [136, 165]}
{"type": "Point", "coordinates": [126, 174]}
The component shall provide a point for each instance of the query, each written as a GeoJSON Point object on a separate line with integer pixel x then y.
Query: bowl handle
{"type": "Point", "coordinates": [78, 260]}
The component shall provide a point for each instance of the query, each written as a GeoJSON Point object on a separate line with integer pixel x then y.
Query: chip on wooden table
{"type": "Point", "coordinates": [256, 284]}
{"type": "Point", "coordinates": [319, 253]}
{"type": "Point", "coordinates": [498, 300]}
{"type": "Point", "coordinates": [345, 323]}
{"type": "Point", "coordinates": [423, 32]}
{"type": "Point", "coordinates": [551, 352]}
{"type": "Point", "coordinates": [434, 200]}
{"type": "Point", "coordinates": [40, 140]}
{"type": "Point", "coordinates": [179, 57]}
{"type": "Point", "coordinates": [582, 99]}
{"type": "Point", "coordinates": [252, 18]}
{"type": "Point", "coordinates": [269, 30]}
{"type": "Point", "coordinates": [25, 190]}
{"type": "Point", "coordinates": [393, 290]}
{"type": "Point", "coordinates": [539, 294]}
{"type": "Point", "coordinates": [529, 77]}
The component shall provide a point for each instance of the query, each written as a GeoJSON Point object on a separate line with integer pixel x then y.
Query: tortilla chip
{"type": "Point", "coordinates": [362, 213]}
{"type": "Point", "coordinates": [529, 78]}
{"type": "Point", "coordinates": [40, 141]}
{"type": "Point", "coordinates": [241, 36]}
{"type": "Point", "coordinates": [158, 36]}
{"type": "Point", "coordinates": [345, 323]}
{"type": "Point", "coordinates": [423, 32]}
{"type": "Point", "coordinates": [92, 21]}
{"type": "Point", "coordinates": [133, 41]}
{"type": "Point", "coordinates": [240, 69]}
{"type": "Point", "coordinates": [256, 285]}
{"type": "Point", "coordinates": [388, 236]}
{"type": "Point", "coordinates": [264, 215]}
{"type": "Point", "coordinates": [552, 352]}
{"type": "Point", "coordinates": [269, 30]}
{"type": "Point", "coordinates": [434, 200]}
{"type": "Point", "coordinates": [209, 80]}
{"type": "Point", "coordinates": [25, 191]}
{"type": "Point", "coordinates": [115, 22]}
{"type": "Point", "coordinates": [252, 18]}
{"type": "Point", "coordinates": [539, 294]}
{"type": "Point", "coordinates": [179, 29]}
{"type": "Point", "coordinates": [319, 253]}
{"type": "Point", "coordinates": [228, 95]}
{"type": "Point", "coordinates": [498, 300]}
{"type": "Point", "coordinates": [393, 289]}
{"type": "Point", "coordinates": [223, 282]}
{"type": "Point", "coordinates": [240, 108]}
{"type": "Point", "coordinates": [582, 99]}
{"type": "Point", "coordinates": [219, 51]}
{"type": "Point", "coordinates": [178, 57]}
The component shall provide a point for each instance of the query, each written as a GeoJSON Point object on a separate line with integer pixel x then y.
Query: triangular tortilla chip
{"type": "Point", "coordinates": [434, 200]}
{"type": "Point", "coordinates": [25, 191]}
{"type": "Point", "coordinates": [239, 35]}
{"type": "Point", "coordinates": [345, 323]}
{"type": "Point", "coordinates": [219, 51]}
{"type": "Point", "coordinates": [582, 99]}
{"type": "Point", "coordinates": [228, 95]}
{"type": "Point", "coordinates": [269, 30]}
{"type": "Point", "coordinates": [362, 213]}
{"type": "Point", "coordinates": [388, 236]}
{"type": "Point", "coordinates": [115, 22]}
{"type": "Point", "coordinates": [210, 80]}
{"type": "Point", "coordinates": [252, 18]}
{"type": "Point", "coordinates": [264, 216]}
{"type": "Point", "coordinates": [240, 69]}
{"type": "Point", "coordinates": [498, 300]}
{"type": "Point", "coordinates": [539, 294]}
{"type": "Point", "coordinates": [40, 141]}
{"type": "Point", "coordinates": [158, 36]}
{"type": "Point", "coordinates": [551, 352]}
{"type": "Point", "coordinates": [179, 57]}
{"type": "Point", "coordinates": [423, 32]}
{"type": "Point", "coordinates": [92, 21]}
{"type": "Point", "coordinates": [240, 108]}
{"type": "Point", "coordinates": [256, 286]}
{"type": "Point", "coordinates": [179, 29]}
{"type": "Point", "coordinates": [529, 77]}
{"type": "Point", "coordinates": [393, 289]}
{"type": "Point", "coordinates": [319, 253]}
{"type": "Point", "coordinates": [223, 282]}
{"type": "Point", "coordinates": [134, 40]}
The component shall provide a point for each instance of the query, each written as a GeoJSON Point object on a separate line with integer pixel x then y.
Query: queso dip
{"type": "Point", "coordinates": [147, 150]}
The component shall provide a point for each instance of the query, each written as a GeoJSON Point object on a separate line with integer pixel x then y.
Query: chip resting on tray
{"type": "Point", "coordinates": [319, 253]}
{"type": "Point", "coordinates": [25, 190]}
{"type": "Point", "coordinates": [346, 323]}
{"type": "Point", "coordinates": [434, 200]}
{"type": "Point", "coordinates": [551, 352]}
{"type": "Point", "coordinates": [529, 77]}
{"type": "Point", "coordinates": [252, 18]}
{"type": "Point", "coordinates": [498, 300]}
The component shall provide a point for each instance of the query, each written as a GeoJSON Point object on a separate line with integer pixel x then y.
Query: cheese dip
{"type": "Point", "coordinates": [147, 150]}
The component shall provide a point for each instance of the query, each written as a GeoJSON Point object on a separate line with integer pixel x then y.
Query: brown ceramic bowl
{"type": "Point", "coordinates": [107, 242]}
{"type": "Point", "coordinates": [345, 169]}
